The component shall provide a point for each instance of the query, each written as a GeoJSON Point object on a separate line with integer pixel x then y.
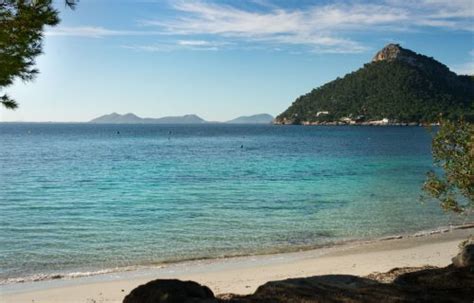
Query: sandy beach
{"type": "Point", "coordinates": [243, 275]}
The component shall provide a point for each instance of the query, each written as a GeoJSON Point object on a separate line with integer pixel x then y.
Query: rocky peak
{"type": "Point", "coordinates": [389, 53]}
{"type": "Point", "coordinates": [394, 52]}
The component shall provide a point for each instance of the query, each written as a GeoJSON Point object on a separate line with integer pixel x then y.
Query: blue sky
{"type": "Point", "coordinates": [222, 59]}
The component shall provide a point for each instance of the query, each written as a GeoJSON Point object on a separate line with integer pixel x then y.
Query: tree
{"type": "Point", "coordinates": [453, 152]}
{"type": "Point", "coordinates": [22, 24]}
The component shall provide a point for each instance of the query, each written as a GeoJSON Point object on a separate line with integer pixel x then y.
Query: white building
{"type": "Point", "coordinates": [322, 113]}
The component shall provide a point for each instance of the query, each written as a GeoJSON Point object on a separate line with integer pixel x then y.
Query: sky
{"type": "Point", "coordinates": [223, 59]}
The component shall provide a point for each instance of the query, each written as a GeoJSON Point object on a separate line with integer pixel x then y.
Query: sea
{"type": "Point", "coordinates": [79, 199]}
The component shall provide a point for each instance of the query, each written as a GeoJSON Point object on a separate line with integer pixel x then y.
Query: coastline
{"type": "Point", "coordinates": [353, 123]}
{"type": "Point", "coordinates": [275, 252]}
{"type": "Point", "coordinates": [242, 275]}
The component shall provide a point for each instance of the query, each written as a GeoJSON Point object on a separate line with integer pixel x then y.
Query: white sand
{"type": "Point", "coordinates": [244, 275]}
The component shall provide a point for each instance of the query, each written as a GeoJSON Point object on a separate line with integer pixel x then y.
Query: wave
{"type": "Point", "coordinates": [74, 275]}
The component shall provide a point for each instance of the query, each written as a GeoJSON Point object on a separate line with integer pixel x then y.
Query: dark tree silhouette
{"type": "Point", "coordinates": [22, 24]}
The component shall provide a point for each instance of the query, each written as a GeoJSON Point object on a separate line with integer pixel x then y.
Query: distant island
{"type": "Point", "coordinates": [254, 119]}
{"type": "Point", "coordinates": [130, 118]}
{"type": "Point", "coordinates": [399, 86]}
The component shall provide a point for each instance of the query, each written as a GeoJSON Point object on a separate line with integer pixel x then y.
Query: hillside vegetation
{"type": "Point", "coordinates": [398, 84]}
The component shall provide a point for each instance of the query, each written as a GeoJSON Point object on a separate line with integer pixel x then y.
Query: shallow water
{"type": "Point", "coordinates": [81, 197]}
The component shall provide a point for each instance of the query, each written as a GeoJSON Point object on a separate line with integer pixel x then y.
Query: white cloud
{"type": "Point", "coordinates": [451, 14]}
{"type": "Point", "coordinates": [448, 9]}
{"type": "Point", "coordinates": [193, 42]}
{"type": "Point", "coordinates": [464, 69]}
{"type": "Point", "coordinates": [467, 68]}
{"type": "Point", "coordinates": [277, 26]}
{"type": "Point", "coordinates": [201, 45]}
{"type": "Point", "coordinates": [323, 28]}
{"type": "Point", "coordinates": [317, 28]}
{"type": "Point", "coordinates": [150, 48]}
{"type": "Point", "coordinates": [95, 32]}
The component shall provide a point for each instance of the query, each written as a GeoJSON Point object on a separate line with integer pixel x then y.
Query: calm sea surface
{"type": "Point", "coordinates": [79, 197]}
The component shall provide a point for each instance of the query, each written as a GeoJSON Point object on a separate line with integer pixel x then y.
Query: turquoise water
{"type": "Point", "coordinates": [80, 198]}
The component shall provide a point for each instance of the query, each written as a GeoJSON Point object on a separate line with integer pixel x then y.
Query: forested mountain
{"type": "Point", "coordinates": [399, 85]}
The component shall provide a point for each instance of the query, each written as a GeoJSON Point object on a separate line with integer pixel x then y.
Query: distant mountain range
{"type": "Point", "coordinates": [254, 119]}
{"type": "Point", "coordinates": [130, 118]}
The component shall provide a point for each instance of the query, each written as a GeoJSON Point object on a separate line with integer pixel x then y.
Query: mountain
{"type": "Point", "coordinates": [130, 118]}
{"type": "Point", "coordinates": [254, 119]}
{"type": "Point", "coordinates": [186, 119]}
{"type": "Point", "coordinates": [115, 118]}
{"type": "Point", "coordinates": [399, 85]}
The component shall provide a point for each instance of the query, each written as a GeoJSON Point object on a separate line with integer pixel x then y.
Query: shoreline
{"type": "Point", "coordinates": [72, 275]}
{"type": "Point", "coordinates": [243, 274]}
{"type": "Point", "coordinates": [369, 123]}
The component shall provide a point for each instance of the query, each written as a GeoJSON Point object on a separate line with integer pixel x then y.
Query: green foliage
{"type": "Point", "coordinates": [7, 102]}
{"type": "Point", "coordinates": [453, 152]}
{"type": "Point", "coordinates": [22, 24]}
{"type": "Point", "coordinates": [399, 90]}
